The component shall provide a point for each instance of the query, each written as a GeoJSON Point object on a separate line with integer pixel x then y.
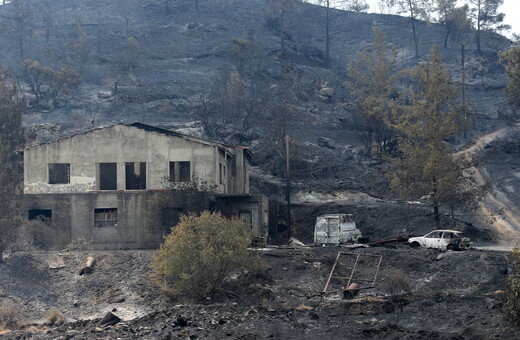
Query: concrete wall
{"type": "Point", "coordinates": [73, 204]}
{"type": "Point", "coordinates": [231, 205]}
{"type": "Point", "coordinates": [73, 216]}
{"type": "Point", "coordinates": [123, 143]}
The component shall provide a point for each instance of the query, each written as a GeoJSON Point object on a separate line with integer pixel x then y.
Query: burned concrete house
{"type": "Point", "coordinates": [98, 185]}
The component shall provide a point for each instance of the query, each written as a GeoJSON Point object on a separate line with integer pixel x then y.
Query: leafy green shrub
{"type": "Point", "coordinates": [513, 289]}
{"type": "Point", "coordinates": [199, 256]}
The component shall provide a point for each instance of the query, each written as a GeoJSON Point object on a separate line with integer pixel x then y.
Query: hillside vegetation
{"type": "Point", "coordinates": [238, 72]}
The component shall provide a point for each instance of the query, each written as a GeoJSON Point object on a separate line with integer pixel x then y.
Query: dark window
{"type": "Point", "coordinates": [180, 171]}
{"type": "Point", "coordinates": [105, 217]}
{"type": "Point", "coordinates": [59, 173]}
{"type": "Point", "coordinates": [246, 216]}
{"type": "Point", "coordinates": [135, 176]}
{"type": "Point", "coordinates": [434, 234]}
{"type": "Point", "coordinates": [44, 215]}
{"type": "Point", "coordinates": [107, 176]}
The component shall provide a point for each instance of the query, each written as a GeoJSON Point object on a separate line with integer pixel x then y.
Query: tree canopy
{"type": "Point", "coordinates": [511, 61]}
{"type": "Point", "coordinates": [416, 9]}
{"type": "Point", "coordinates": [487, 18]}
{"type": "Point", "coordinates": [11, 139]}
{"type": "Point", "coordinates": [371, 81]}
{"type": "Point", "coordinates": [426, 166]}
{"type": "Point", "coordinates": [455, 19]}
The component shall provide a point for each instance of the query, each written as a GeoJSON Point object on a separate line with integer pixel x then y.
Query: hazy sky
{"type": "Point", "coordinates": [510, 7]}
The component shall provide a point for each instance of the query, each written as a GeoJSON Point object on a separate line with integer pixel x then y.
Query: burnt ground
{"type": "Point", "coordinates": [455, 295]}
{"type": "Point", "coordinates": [386, 219]}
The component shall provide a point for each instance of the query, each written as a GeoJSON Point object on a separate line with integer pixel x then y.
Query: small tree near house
{"type": "Point", "coordinates": [200, 254]}
{"type": "Point", "coordinates": [11, 139]}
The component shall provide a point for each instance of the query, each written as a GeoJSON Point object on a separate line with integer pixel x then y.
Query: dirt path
{"type": "Point", "coordinates": [482, 141]}
{"type": "Point", "coordinates": [505, 215]}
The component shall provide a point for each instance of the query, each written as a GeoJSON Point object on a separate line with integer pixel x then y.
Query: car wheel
{"type": "Point", "coordinates": [415, 244]}
{"type": "Point", "coordinates": [451, 246]}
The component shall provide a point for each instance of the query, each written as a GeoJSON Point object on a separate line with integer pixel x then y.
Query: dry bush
{"type": "Point", "coordinates": [38, 235]}
{"type": "Point", "coordinates": [54, 317]}
{"type": "Point", "coordinates": [397, 284]}
{"type": "Point", "coordinates": [9, 315]}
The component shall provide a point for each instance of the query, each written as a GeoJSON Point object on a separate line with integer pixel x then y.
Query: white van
{"type": "Point", "coordinates": [335, 229]}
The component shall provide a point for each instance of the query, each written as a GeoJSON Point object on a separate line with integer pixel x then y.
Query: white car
{"type": "Point", "coordinates": [441, 239]}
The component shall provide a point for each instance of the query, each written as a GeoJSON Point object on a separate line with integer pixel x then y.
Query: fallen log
{"type": "Point", "coordinates": [89, 265]}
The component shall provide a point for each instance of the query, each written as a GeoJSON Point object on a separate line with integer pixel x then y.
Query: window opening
{"type": "Point", "coordinates": [106, 217]}
{"type": "Point", "coordinates": [246, 216]}
{"type": "Point", "coordinates": [180, 171]}
{"type": "Point", "coordinates": [135, 175]}
{"type": "Point", "coordinates": [107, 176]}
{"type": "Point", "coordinates": [44, 215]}
{"type": "Point", "coordinates": [59, 173]}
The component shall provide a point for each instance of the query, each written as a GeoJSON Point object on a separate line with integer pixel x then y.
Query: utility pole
{"type": "Point", "coordinates": [463, 88]}
{"type": "Point", "coordinates": [288, 184]}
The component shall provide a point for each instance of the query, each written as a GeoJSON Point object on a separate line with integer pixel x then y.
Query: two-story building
{"type": "Point", "coordinates": [98, 185]}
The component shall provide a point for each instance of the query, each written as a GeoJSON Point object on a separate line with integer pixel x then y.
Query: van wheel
{"type": "Point", "coordinates": [415, 244]}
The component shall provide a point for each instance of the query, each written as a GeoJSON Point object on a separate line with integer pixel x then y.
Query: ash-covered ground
{"type": "Point", "coordinates": [454, 295]}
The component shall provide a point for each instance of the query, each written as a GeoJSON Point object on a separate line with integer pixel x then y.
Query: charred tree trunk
{"type": "Point", "coordinates": [479, 27]}
{"type": "Point", "coordinates": [327, 33]}
{"type": "Point", "coordinates": [412, 18]}
{"type": "Point", "coordinates": [282, 32]}
{"type": "Point", "coordinates": [1, 248]}
{"type": "Point", "coordinates": [446, 38]}
{"type": "Point", "coordinates": [436, 214]}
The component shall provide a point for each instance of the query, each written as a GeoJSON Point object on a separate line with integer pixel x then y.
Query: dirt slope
{"type": "Point", "coordinates": [497, 203]}
{"type": "Point", "coordinates": [453, 294]}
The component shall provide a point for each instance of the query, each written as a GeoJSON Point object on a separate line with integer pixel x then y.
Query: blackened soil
{"type": "Point", "coordinates": [454, 295]}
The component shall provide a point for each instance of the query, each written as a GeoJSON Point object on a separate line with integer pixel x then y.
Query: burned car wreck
{"type": "Point", "coordinates": [441, 239]}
